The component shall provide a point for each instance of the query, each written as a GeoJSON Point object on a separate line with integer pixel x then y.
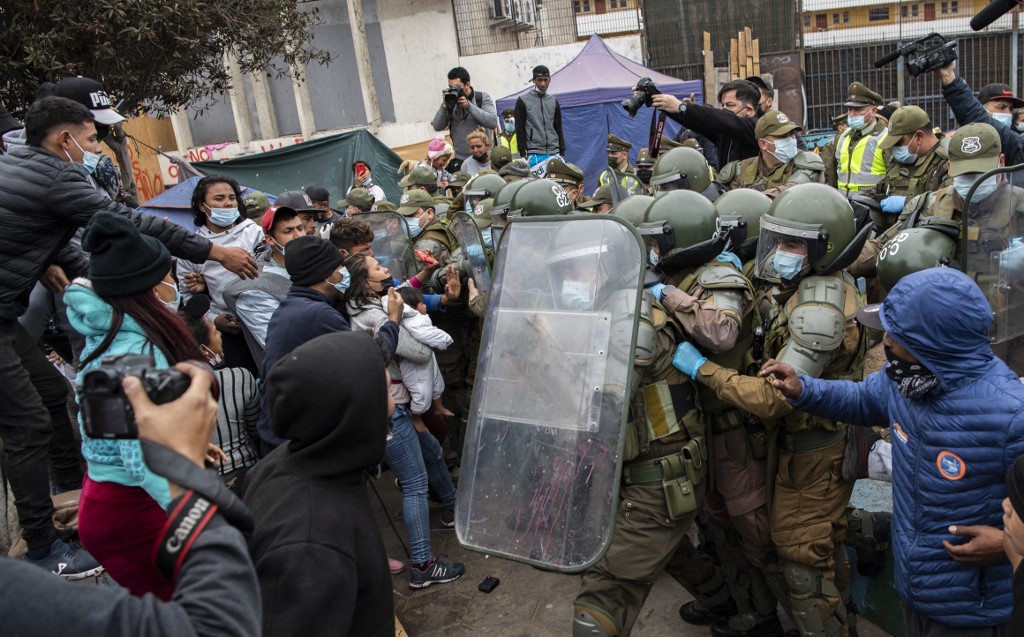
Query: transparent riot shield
{"type": "Point", "coordinates": [391, 243]}
{"type": "Point", "coordinates": [474, 253]}
{"type": "Point", "coordinates": [992, 249]}
{"type": "Point", "coordinates": [542, 456]}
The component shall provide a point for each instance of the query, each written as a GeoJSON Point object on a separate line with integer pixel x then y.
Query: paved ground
{"type": "Point", "coordinates": [528, 602]}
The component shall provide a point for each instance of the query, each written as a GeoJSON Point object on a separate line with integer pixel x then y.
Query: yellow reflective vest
{"type": "Point", "coordinates": [863, 166]}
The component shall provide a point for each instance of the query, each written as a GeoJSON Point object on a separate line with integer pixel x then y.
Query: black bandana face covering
{"type": "Point", "coordinates": [913, 379]}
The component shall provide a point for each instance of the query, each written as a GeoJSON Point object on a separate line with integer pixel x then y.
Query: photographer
{"type": "Point", "coordinates": [463, 110]}
{"type": "Point", "coordinates": [216, 592]}
{"type": "Point", "coordinates": [994, 106]}
{"type": "Point", "coordinates": [731, 127]}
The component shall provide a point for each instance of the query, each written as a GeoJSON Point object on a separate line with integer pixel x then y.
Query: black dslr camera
{"type": "Point", "coordinates": [452, 95]}
{"type": "Point", "coordinates": [108, 414]}
{"type": "Point", "coordinates": [645, 90]}
{"type": "Point", "coordinates": [931, 52]}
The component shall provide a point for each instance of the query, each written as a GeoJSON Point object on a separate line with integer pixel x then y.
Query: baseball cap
{"type": "Point", "coordinates": [974, 148]}
{"type": "Point", "coordinates": [906, 120]}
{"type": "Point", "coordinates": [871, 316]}
{"type": "Point", "coordinates": [296, 200]}
{"type": "Point", "coordinates": [774, 123]}
{"type": "Point", "coordinates": [420, 176]}
{"type": "Point", "coordinates": [999, 92]}
{"type": "Point", "coordinates": [255, 201]}
{"type": "Point", "coordinates": [270, 216]}
{"type": "Point", "coordinates": [761, 83]}
{"type": "Point", "coordinates": [384, 206]}
{"type": "Point", "coordinates": [603, 195]}
{"type": "Point", "coordinates": [541, 71]}
{"type": "Point", "coordinates": [459, 179]}
{"type": "Point", "coordinates": [91, 94]}
{"type": "Point", "coordinates": [412, 201]}
{"type": "Point", "coordinates": [359, 197]}
{"type": "Point", "coordinates": [317, 193]}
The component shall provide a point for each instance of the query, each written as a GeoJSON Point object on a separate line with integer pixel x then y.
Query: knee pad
{"type": "Point", "coordinates": [591, 621]}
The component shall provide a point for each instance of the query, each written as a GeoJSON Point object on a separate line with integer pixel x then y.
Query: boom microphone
{"type": "Point", "coordinates": [995, 10]}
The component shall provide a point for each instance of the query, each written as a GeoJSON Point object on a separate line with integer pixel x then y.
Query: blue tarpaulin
{"type": "Point", "coordinates": [176, 203]}
{"type": "Point", "coordinates": [590, 89]}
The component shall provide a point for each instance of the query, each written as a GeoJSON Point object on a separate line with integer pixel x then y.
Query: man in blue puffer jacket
{"type": "Point", "coordinates": [956, 414]}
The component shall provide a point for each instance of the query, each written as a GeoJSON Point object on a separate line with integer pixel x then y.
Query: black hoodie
{"type": "Point", "coordinates": [317, 547]}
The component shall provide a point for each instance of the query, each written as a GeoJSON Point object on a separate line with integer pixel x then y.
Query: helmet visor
{"type": "Point", "coordinates": [659, 240]}
{"type": "Point", "coordinates": [780, 243]}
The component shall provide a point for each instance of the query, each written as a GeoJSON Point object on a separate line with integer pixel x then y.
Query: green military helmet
{"type": "Point", "coordinates": [681, 169]}
{"type": "Point", "coordinates": [818, 217]}
{"type": "Point", "coordinates": [483, 186]}
{"type": "Point", "coordinates": [632, 209]}
{"type": "Point", "coordinates": [740, 212]}
{"type": "Point", "coordinates": [587, 259]}
{"type": "Point", "coordinates": [929, 245]}
{"type": "Point", "coordinates": [539, 197]}
{"type": "Point", "coordinates": [680, 229]}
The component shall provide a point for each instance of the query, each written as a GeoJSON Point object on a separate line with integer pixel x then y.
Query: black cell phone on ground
{"type": "Point", "coordinates": [489, 584]}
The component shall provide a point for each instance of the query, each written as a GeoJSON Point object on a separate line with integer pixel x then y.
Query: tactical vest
{"type": "Point", "coordinates": [861, 167]}
{"type": "Point", "coordinates": [665, 410]}
{"type": "Point", "coordinates": [847, 359]}
{"type": "Point", "coordinates": [918, 178]}
{"type": "Point", "coordinates": [628, 182]}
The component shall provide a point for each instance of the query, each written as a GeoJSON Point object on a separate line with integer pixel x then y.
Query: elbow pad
{"type": "Point", "coordinates": [817, 325]}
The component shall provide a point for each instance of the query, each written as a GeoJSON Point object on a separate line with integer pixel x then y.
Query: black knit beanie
{"type": "Point", "coordinates": [1015, 486]}
{"type": "Point", "coordinates": [311, 260]}
{"type": "Point", "coordinates": [123, 261]}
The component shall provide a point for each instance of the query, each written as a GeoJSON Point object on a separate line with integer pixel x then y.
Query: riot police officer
{"type": "Point", "coordinates": [684, 168]}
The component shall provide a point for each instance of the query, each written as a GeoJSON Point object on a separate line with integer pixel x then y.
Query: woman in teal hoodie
{"type": "Point", "coordinates": [122, 309]}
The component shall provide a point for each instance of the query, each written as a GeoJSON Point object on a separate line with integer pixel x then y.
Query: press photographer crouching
{"type": "Point", "coordinates": [201, 547]}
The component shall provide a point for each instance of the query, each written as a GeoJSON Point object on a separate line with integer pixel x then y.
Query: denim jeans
{"type": "Point", "coordinates": [36, 432]}
{"type": "Point", "coordinates": [417, 461]}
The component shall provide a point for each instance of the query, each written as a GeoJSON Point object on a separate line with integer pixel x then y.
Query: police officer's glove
{"type": "Point", "coordinates": [1013, 259]}
{"type": "Point", "coordinates": [658, 290]}
{"type": "Point", "coordinates": [474, 252]}
{"type": "Point", "coordinates": [729, 257]}
{"type": "Point", "coordinates": [893, 204]}
{"type": "Point", "coordinates": [688, 360]}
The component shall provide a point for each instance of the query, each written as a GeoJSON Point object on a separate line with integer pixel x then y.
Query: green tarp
{"type": "Point", "coordinates": [325, 161]}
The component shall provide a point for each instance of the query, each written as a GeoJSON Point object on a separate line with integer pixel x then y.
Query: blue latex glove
{"type": "Point", "coordinates": [893, 204]}
{"type": "Point", "coordinates": [1014, 259]}
{"type": "Point", "coordinates": [658, 289]}
{"type": "Point", "coordinates": [729, 257]}
{"type": "Point", "coordinates": [688, 359]}
{"type": "Point", "coordinates": [474, 252]}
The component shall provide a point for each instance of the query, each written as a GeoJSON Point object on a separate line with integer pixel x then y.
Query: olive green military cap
{"type": "Point", "coordinates": [667, 143]}
{"type": "Point", "coordinates": [974, 148]}
{"type": "Point", "coordinates": [603, 195]}
{"type": "Point", "coordinates": [420, 176]}
{"type": "Point", "coordinates": [500, 155]}
{"type": "Point", "coordinates": [358, 197]}
{"type": "Point", "coordinates": [562, 172]}
{"type": "Point", "coordinates": [413, 200]}
{"type": "Point", "coordinates": [384, 206]}
{"type": "Point", "coordinates": [774, 123]}
{"type": "Point", "coordinates": [643, 158]}
{"type": "Point", "coordinates": [840, 118]}
{"type": "Point", "coordinates": [255, 201]}
{"type": "Point", "coordinates": [616, 143]}
{"type": "Point", "coordinates": [860, 95]}
{"type": "Point", "coordinates": [459, 179]}
{"type": "Point", "coordinates": [906, 120]}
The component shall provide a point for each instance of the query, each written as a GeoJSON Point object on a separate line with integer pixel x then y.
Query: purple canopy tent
{"type": "Point", "coordinates": [589, 90]}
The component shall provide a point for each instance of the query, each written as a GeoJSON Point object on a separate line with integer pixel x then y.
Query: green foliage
{"type": "Point", "coordinates": [168, 53]}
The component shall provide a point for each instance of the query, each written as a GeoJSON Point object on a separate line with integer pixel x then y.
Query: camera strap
{"type": "Point", "coordinates": [657, 132]}
{"type": "Point", "coordinates": [186, 522]}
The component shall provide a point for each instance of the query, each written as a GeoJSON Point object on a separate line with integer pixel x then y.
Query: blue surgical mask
{"type": "Point", "coordinates": [346, 279]}
{"type": "Point", "coordinates": [488, 239]}
{"type": "Point", "coordinates": [785, 149]}
{"type": "Point", "coordinates": [89, 160]}
{"type": "Point", "coordinates": [788, 264]}
{"type": "Point", "coordinates": [653, 257]}
{"type": "Point", "coordinates": [510, 127]}
{"type": "Point", "coordinates": [1019, 127]}
{"type": "Point", "coordinates": [223, 217]}
{"type": "Point", "coordinates": [903, 155]}
{"type": "Point", "coordinates": [1006, 119]}
{"type": "Point", "coordinates": [963, 183]}
{"type": "Point", "coordinates": [856, 122]}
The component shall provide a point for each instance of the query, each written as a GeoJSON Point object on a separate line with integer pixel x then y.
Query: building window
{"type": "Point", "coordinates": [846, 17]}
{"type": "Point", "coordinates": [945, 8]}
{"type": "Point", "coordinates": [835, 18]}
{"type": "Point", "coordinates": [952, 6]}
{"type": "Point", "coordinates": [581, 6]}
{"type": "Point", "coordinates": [619, 4]}
{"type": "Point", "coordinates": [880, 14]}
{"type": "Point", "coordinates": [807, 21]}
{"type": "Point", "coordinates": [914, 10]}
{"type": "Point", "coordinates": [903, 12]}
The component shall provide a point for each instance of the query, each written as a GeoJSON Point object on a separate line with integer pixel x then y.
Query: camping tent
{"type": "Point", "coordinates": [590, 89]}
{"type": "Point", "coordinates": [176, 203]}
{"type": "Point", "coordinates": [325, 161]}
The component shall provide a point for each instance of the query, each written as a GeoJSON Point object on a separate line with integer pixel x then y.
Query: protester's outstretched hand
{"type": "Point", "coordinates": [453, 286]}
{"type": "Point", "coordinates": [183, 425]}
{"type": "Point", "coordinates": [471, 286]}
{"type": "Point", "coordinates": [785, 378]}
{"type": "Point", "coordinates": [237, 260]}
{"type": "Point", "coordinates": [984, 547]}
{"type": "Point", "coordinates": [666, 102]}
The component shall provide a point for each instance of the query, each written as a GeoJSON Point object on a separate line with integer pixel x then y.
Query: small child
{"type": "Point", "coordinates": [423, 380]}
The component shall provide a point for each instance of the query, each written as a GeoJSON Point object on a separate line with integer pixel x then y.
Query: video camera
{"type": "Point", "coordinates": [108, 414]}
{"type": "Point", "coordinates": [931, 52]}
{"type": "Point", "coordinates": [452, 95]}
{"type": "Point", "coordinates": [645, 92]}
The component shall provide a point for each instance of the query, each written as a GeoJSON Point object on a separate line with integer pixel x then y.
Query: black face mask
{"type": "Point", "coordinates": [385, 285]}
{"type": "Point", "coordinates": [913, 379]}
{"type": "Point", "coordinates": [644, 175]}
